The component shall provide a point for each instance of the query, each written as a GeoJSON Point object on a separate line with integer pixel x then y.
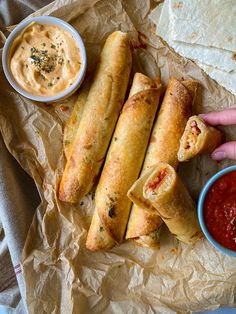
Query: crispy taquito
{"type": "Point", "coordinates": [123, 164]}
{"type": "Point", "coordinates": [144, 224]}
{"type": "Point", "coordinates": [166, 192]}
{"type": "Point", "coordinates": [198, 138]}
{"type": "Point", "coordinates": [102, 108]}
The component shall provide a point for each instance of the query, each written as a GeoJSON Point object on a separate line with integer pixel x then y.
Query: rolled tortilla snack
{"type": "Point", "coordinates": [198, 138]}
{"type": "Point", "coordinates": [144, 221]}
{"type": "Point", "coordinates": [104, 102]}
{"type": "Point", "coordinates": [123, 163]}
{"type": "Point", "coordinates": [152, 240]}
{"type": "Point", "coordinates": [72, 125]}
{"type": "Point", "coordinates": [166, 192]}
{"type": "Point", "coordinates": [98, 239]}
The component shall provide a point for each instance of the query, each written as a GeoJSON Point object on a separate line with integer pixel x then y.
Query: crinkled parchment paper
{"type": "Point", "coordinates": [61, 276]}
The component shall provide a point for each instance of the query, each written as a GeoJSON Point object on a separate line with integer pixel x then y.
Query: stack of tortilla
{"type": "Point", "coordinates": [203, 31]}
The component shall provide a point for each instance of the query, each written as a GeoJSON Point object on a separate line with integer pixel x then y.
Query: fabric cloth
{"type": "Point", "coordinates": [18, 194]}
{"type": "Point", "coordinates": [19, 199]}
{"type": "Point", "coordinates": [13, 11]}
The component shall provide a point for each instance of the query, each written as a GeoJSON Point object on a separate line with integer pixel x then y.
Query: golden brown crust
{"type": "Point", "coordinates": [163, 147]}
{"type": "Point", "coordinates": [98, 238]}
{"type": "Point", "coordinates": [174, 204]}
{"type": "Point", "coordinates": [192, 87]}
{"type": "Point", "coordinates": [99, 117]}
{"type": "Point", "coordinates": [124, 161]}
{"type": "Point", "coordinates": [172, 118]}
{"type": "Point", "coordinates": [72, 124]}
{"type": "Point", "coordinates": [198, 138]}
{"type": "Point", "coordinates": [142, 222]}
{"type": "Point", "coordinates": [152, 240]}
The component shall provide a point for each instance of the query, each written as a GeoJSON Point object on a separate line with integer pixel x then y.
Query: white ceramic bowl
{"type": "Point", "coordinates": [53, 21]}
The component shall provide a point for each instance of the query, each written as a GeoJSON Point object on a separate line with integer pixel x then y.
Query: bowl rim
{"type": "Point", "coordinates": [44, 20]}
{"type": "Point", "coordinates": [201, 201]}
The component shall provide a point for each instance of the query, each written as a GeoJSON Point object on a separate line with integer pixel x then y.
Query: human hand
{"type": "Point", "coordinates": [225, 117]}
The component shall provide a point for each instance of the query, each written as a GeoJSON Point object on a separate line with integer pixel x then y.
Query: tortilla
{"type": "Point", "coordinates": [163, 147]}
{"type": "Point", "coordinates": [166, 192]}
{"type": "Point", "coordinates": [198, 138]}
{"type": "Point", "coordinates": [218, 63]}
{"type": "Point", "coordinates": [104, 102]}
{"type": "Point", "coordinates": [212, 23]}
{"type": "Point", "coordinates": [123, 162]}
{"type": "Point", "coordinates": [215, 57]}
{"type": "Point", "coordinates": [72, 124]}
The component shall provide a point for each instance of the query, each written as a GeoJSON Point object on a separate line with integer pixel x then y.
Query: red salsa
{"type": "Point", "coordinates": [220, 210]}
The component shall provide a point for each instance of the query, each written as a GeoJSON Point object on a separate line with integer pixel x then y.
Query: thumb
{"type": "Point", "coordinates": [225, 151]}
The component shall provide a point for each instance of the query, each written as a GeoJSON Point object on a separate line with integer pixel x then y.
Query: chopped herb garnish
{"type": "Point", "coordinates": [44, 61]}
{"type": "Point", "coordinates": [53, 46]}
{"type": "Point", "coordinates": [43, 44]}
{"type": "Point", "coordinates": [101, 229]}
{"type": "Point", "coordinates": [111, 211]}
{"type": "Point", "coordinates": [35, 58]}
{"type": "Point", "coordinates": [156, 233]}
{"type": "Point", "coordinates": [22, 47]}
{"type": "Point", "coordinates": [60, 60]}
{"type": "Point", "coordinates": [26, 65]}
{"type": "Point", "coordinates": [115, 138]}
{"type": "Point", "coordinates": [44, 52]}
{"type": "Point", "coordinates": [50, 84]}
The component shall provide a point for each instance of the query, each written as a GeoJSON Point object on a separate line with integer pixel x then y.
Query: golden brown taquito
{"type": "Point", "coordinates": [198, 138]}
{"type": "Point", "coordinates": [123, 164]}
{"type": "Point", "coordinates": [166, 192]}
{"type": "Point", "coordinates": [102, 107]}
{"type": "Point", "coordinates": [72, 124]}
{"type": "Point", "coordinates": [175, 110]}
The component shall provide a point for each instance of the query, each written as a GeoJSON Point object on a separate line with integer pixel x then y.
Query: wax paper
{"type": "Point", "coordinates": [61, 275]}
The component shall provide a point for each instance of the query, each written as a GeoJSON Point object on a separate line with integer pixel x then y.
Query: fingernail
{"type": "Point", "coordinates": [219, 155]}
{"type": "Point", "coordinates": [203, 116]}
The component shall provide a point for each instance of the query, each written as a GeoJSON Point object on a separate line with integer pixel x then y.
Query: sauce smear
{"type": "Point", "coordinates": [153, 185]}
{"type": "Point", "coordinates": [220, 210]}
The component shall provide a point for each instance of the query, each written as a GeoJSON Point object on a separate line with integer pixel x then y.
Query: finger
{"type": "Point", "coordinates": [225, 151]}
{"type": "Point", "coordinates": [225, 117]}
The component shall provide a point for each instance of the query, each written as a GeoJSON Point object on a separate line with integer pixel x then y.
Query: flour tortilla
{"type": "Point", "coordinates": [210, 23]}
{"type": "Point", "coordinates": [219, 64]}
{"type": "Point", "coordinates": [218, 58]}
